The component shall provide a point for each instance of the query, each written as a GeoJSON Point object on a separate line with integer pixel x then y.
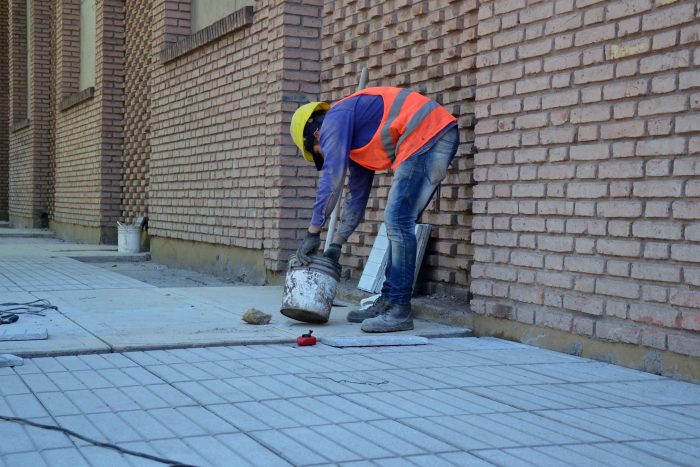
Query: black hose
{"type": "Point", "coordinates": [101, 444]}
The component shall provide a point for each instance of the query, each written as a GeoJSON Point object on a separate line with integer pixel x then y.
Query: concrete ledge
{"type": "Point", "coordinates": [660, 362]}
{"type": "Point", "coordinates": [84, 234]}
{"type": "Point", "coordinates": [233, 22]}
{"type": "Point", "coordinates": [76, 98]}
{"type": "Point", "coordinates": [23, 222]}
{"type": "Point", "coordinates": [445, 310]}
{"type": "Point", "coordinates": [20, 125]}
{"type": "Point", "coordinates": [114, 258]}
{"type": "Point", "coordinates": [12, 232]}
{"type": "Point", "coordinates": [230, 262]}
{"type": "Point", "coordinates": [458, 313]}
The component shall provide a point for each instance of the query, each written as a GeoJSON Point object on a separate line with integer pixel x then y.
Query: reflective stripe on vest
{"type": "Point", "coordinates": [394, 111]}
{"type": "Point", "coordinates": [413, 123]}
{"type": "Point", "coordinates": [408, 122]}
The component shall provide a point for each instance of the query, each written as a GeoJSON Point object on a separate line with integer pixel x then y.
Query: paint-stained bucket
{"type": "Point", "coordinates": [309, 290]}
{"type": "Point", "coordinates": [128, 238]}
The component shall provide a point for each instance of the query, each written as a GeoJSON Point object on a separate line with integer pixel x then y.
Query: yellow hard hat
{"type": "Point", "coordinates": [299, 120]}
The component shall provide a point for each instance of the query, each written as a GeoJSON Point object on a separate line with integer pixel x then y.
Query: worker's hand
{"type": "Point", "coordinates": [308, 246]}
{"type": "Point", "coordinates": [333, 252]}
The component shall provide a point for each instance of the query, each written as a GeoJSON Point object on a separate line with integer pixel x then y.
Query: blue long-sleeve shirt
{"type": "Point", "coordinates": [348, 125]}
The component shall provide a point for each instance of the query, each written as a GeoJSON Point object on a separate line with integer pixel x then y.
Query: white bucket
{"type": "Point", "coordinates": [128, 238]}
{"type": "Point", "coordinates": [309, 290]}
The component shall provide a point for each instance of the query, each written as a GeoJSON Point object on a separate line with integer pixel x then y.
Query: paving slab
{"type": "Point", "coordinates": [21, 333]}
{"type": "Point", "coordinates": [143, 317]}
{"type": "Point", "coordinates": [105, 306]}
{"type": "Point", "coordinates": [64, 335]}
{"type": "Point", "coordinates": [157, 318]}
{"type": "Point", "coordinates": [269, 299]}
{"type": "Point", "coordinates": [374, 341]}
{"type": "Point", "coordinates": [7, 359]}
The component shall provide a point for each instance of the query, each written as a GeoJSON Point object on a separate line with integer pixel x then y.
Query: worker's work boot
{"type": "Point", "coordinates": [359, 315]}
{"type": "Point", "coordinates": [395, 318]}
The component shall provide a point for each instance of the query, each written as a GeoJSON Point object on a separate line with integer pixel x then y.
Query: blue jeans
{"type": "Point", "coordinates": [414, 183]}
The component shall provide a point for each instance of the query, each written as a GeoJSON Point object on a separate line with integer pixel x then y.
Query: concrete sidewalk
{"type": "Point", "coordinates": [103, 310]}
{"type": "Point", "coordinates": [158, 361]}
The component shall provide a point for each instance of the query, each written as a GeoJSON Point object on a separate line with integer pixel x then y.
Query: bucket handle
{"type": "Point", "coordinates": [295, 262]}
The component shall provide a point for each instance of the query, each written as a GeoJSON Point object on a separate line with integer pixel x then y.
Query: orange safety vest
{"type": "Point", "coordinates": [410, 120]}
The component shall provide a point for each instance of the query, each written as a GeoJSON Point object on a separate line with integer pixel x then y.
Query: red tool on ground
{"type": "Point", "coordinates": [306, 339]}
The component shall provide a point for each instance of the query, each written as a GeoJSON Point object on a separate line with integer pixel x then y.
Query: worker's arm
{"type": "Point", "coordinates": [359, 186]}
{"type": "Point", "coordinates": [336, 139]}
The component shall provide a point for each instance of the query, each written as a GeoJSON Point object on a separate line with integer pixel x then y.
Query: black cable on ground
{"type": "Point", "coordinates": [101, 444]}
{"type": "Point", "coordinates": [36, 307]}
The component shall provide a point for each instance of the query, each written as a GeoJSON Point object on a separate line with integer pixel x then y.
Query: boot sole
{"type": "Point", "coordinates": [359, 320]}
{"type": "Point", "coordinates": [399, 327]}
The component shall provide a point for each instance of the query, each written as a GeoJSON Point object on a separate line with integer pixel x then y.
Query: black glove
{"type": "Point", "coordinates": [333, 252]}
{"type": "Point", "coordinates": [308, 246]}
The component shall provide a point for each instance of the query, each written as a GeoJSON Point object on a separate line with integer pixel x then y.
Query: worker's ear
{"type": "Point", "coordinates": [317, 134]}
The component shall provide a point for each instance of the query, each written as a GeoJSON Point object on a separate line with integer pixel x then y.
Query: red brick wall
{"type": "Point", "coordinates": [18, 59]}
{"type": "Point", "coordinates": [110, 90]}
{"type": "Point", "coordinates": [67, 46]}
{"type": "Point", "coordinates": [430, 47]}
{"type": "Point", "coordinates": [587, 209]}
{"type": "Point", "coordinates": [29, 143]}
{"type": "Point", "coordinates": [77, 185]}
{"type": "Point", "coordinates": [298, 35]}
{"type": "Point", "coordinates": [4, 109]}
{"type": "Point", "coordinates": [20, 158]}
{"type": "Point", "coordinates": [40, 103]}
{"type": "Point", "coordinates": [222, 168]}
{"type": "Point", "coordinates": [137, 108]}
{"type": "Point", "coordinates": [51, 111]}
{"type": "Point", "coordinates": [89, 135]}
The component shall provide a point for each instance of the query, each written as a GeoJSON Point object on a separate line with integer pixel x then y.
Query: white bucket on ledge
{"type": "Point", "coordinates": [128, 238]}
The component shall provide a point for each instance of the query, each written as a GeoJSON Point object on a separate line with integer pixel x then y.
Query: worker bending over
{"type": "Point", "coordinates": [377, 129]}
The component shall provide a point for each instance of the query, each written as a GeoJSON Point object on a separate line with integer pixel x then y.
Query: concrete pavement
{"type": "Point", "coordinates": [111, 370]}
{"type": "Point", "coordinates": [101, 309]}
